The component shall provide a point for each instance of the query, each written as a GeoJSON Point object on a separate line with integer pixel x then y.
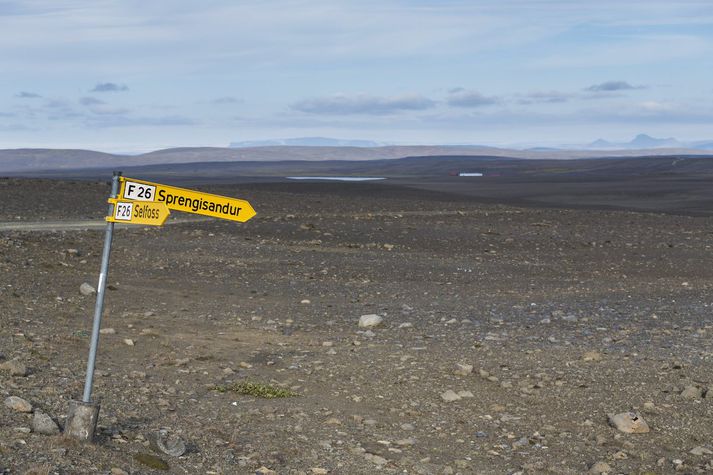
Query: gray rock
{"type": "Point", "coordinates": [14, 367]}
{"type": "Point", "coordinates": [463, 369]}
{"type": "Point", "coordinates": [86, 289]}
{"type": "Point", "coordinates": [700, 451]}
{"type": "Point", "coordinates": [450, 396]}
{"type": "Point", "coordinates": [629, 423]}
{"type": "Point", "coordinates": [43, 424]}
{"type": "Point", "coordinates": [163, 441]}
{"type": "Point", "coordinates": [600, 468]}
{"type": "Point", "coordinates": [692, 392]}
{"type": "Point", "coordinates": [370, 321]}
{"type": "Point", "coordinates": [18, 404]}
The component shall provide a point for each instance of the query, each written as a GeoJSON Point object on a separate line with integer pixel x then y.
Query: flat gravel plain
{"type": "Point", "coordinates": [508, 335]}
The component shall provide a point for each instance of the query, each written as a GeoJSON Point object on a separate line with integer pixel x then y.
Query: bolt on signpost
{"type": "Point", "coordinates": [140, 202]}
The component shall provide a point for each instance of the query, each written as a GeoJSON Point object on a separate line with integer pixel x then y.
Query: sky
{"type": "Point", "coordinates": [132, 76]}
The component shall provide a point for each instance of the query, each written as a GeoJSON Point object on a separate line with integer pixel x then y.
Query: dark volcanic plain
{"type": "Point", "coordinates": [566, 315]}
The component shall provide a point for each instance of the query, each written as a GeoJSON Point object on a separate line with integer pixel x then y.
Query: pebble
{"type": "Point", "coordinates": [118, 471]}
{"type": "Point", "coordinates": [16, 368]}
{"type": "Point", "coordinates": [43, 424]}
{"type": "Point", "coordinates": [305, 301]}
{"type": "Point", "coordinates": [128, 342]}
{"type": "Point", "coordinates": [463, 369]}
{"type": "Point", "coordinates": [167, 443]}
{"type": "Point", "coordinates": [692, 392]}
{"type": "Point", "coordinates": [370, 321]}
{"type": "Point", "coordinates": [592, 356]}
{"type": "Point", "coordinates": [406, 325]}
{"type": "Point", "coordinates": [86, 289]}
{"type": "Point", "coordinates": [629, 423]}
{"type": "Point", "coordinates": [107, 331]}
{"type": "Point", "coordinates": [265, 471]}
{"type": "Point", "coordinates": [701, 451]}
{"type": "Point", "coordinates": [450, 396]}
{"type": "Point", "coordinates": [18, 404]}
{"type": "Point", "coordinates": [600, 468]}
{"type": "Point", "coordinates": [319, 471]}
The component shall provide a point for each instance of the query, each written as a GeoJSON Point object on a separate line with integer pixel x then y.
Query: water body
{"type": "Point", "coordinates": [336, 178]}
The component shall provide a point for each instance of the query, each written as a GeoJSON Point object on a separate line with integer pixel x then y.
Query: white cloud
{"type": "Point", "coordinates": [343, 104]}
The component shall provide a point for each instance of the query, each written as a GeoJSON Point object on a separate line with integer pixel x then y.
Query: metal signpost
{"type": "Point", "coordinates": [140, 202]}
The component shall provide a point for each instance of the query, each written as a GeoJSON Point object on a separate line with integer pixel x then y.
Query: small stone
{"type": "Point", "coordinates": [407, 426]}
{"type": "Point", "coordinates": [701, 451]}
{"type": "Point", "coordinates": [265, 471]}
{"type": "Point", "coordinates": [327, 343]}
{"type": "Point", "coordinates": [463, 369]}
{"type": "Point", "coordinates": [629, 423]}
{"type": "Point", "coordinates": [319, 471]}
{"type": "Point", "coordinates": [333, 421]}
{"type": "Point", "coordinates": [692, 392]}
{"type": "Point", "coordinates": [14, 367]}
{"type": "Point", "coordinates": [18, 404]}
{"type": "Point", "coordinates": [650, 407]}
{"type": "Point", "coordinates": [450, 396]}
{"type": "Point", "coordinates": [167, 443]}
{"type": "Point", "coordinates": [118, 471]}
{"type": "Point", "coordinates": [43, 424]}
{"type": "Point", "coordinates": [406, 325]}
{"type": "Point", "coordinates": [406, 442]}
{"type": "Point", "coordinates": [370, 321]}
{"type": "Point", "coordinates": [305, 301]}
{"type": "Point", "coordinates": [592, 356]}
{"type": "Point", "coordinates": [128, 342]}
{"type": "Point", "coordinates": [245, 365]}
{"type": "Point", "coordinates": [600, 468]}
{"type": "Point", "coordinates": [107, 331]}
{"type": "Point", "coordinates": [465, 394]}
{"type": "Point", "coordinates": [86, 289]}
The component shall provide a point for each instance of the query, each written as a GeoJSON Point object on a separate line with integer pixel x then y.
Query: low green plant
{"type": "Point", "coordinates": [256, 390]}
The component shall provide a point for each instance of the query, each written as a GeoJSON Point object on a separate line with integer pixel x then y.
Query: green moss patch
{"type": "Point", "coordinates": [256, 390]}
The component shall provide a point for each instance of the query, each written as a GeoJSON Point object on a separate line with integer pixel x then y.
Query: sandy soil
{"type": "Point", "coordinates": [565, 315]}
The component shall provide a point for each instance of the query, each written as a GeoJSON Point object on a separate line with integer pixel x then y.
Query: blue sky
{"type": "Point", "coordinates": [135, 75]}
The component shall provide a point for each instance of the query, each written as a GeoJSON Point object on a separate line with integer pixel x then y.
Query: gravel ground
{"type": "Point", "coordinates": [507, 336]}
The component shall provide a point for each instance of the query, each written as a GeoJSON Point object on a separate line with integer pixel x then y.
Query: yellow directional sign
{"type": "Point", "coordinates": [138, 212]}
{"type": "Point", "coordinates": [188, 201]}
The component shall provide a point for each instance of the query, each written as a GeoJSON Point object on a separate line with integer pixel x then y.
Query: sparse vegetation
{"type": "Point", "coordinates": [264, 391]}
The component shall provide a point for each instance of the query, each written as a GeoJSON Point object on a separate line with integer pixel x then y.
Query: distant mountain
{"type": "Point", "coordinates": [27, 161]}
{"type": "Point", "coordinates": [646, 141]}
{"type": "Point", "coordinates": [707, 145]}
{"type": "Point", "coordinates": [305, 142]}
{"type": "Point", "coordinates": [641, 141]}
{"type": "Point", "coordinates": [600, 144]}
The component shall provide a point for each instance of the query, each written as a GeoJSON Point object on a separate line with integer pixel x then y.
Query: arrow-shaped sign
{"type": "Point", "coordinates": [188, 201]}
{"type": "Point", "coordinates": [139, 212]}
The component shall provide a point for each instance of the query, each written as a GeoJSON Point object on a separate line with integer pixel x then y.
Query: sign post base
{"type": "Point", "coordinates": [82, 420]}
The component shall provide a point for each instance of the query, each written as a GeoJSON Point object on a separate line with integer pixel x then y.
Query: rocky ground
{"type": "Point", "coordinates": [503, 338]}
